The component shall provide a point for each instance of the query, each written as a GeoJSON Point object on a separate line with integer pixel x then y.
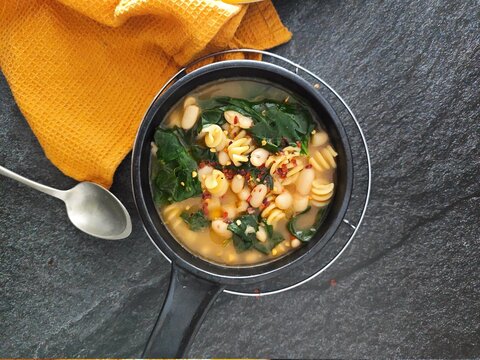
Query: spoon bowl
{"type": "Point", "coordinates": [97, 211]}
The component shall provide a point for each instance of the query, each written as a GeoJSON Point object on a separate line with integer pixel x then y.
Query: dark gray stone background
{"type": "Point", "coordinates": [409, 285]}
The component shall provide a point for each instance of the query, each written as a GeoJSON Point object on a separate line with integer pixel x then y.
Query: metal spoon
{"type": "Point", "coordinates": [90, 207]}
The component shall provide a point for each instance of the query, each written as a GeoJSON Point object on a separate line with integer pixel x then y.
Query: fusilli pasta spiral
{"type": "Point", "coordinates": [272, 213]}
{"type": "Point", "coordinates": [216, 183]}
{"type": "Point", "coordinates": [239, 149]}
{"type": "Point", "coordinates": [324, 159]}
{"type": "Point", "coordinates": [215, 137]}
{"type": "Point", "coordinates": [321, 193]}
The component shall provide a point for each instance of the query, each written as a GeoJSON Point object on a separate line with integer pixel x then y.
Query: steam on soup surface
{"type": "Point", "coordinates": [241, 173]}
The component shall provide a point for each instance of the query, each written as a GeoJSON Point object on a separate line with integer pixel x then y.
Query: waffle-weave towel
{"type": "Point", "coordinates": [83, 72]}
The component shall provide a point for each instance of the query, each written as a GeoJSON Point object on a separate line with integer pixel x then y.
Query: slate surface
{"type": "Point", "coordinates": [409, 285]}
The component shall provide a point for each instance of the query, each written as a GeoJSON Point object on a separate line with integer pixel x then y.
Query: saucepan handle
{"type": "Point", "coordinates": [188, 300]}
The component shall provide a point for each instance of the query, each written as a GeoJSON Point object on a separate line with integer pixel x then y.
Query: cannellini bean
{"type": "Point", "coordinates": [295, 243]}
{"type": "Point", "coordinates": [261, 234]}
{"type": "Point", "coordinates": [189, 100]}
{"type": "Point", "coordinates": [190, 116]}
{"type": "Point", "coordinates": [237, 184]}
{"type": "Point", "coordinates": [284, 200]}
{"type": "Point", "coordinates": [300, 202]}
{"type": "Point", "coordinates": [304, 181]}
{"type": "Point", "coordinates": [244, 194]}
{"type": "Point", "coordinates": [223, 158]}
{"type": "Point", "coordinates": [258, 194]}
{"type": "Point", "coordinates": [221, 228]}
{"type": "Point", "coordinates": [319, 138]}
{"type": "Point", "coordinates": [230, 210]}
{"type": "Point", "coordinates": [259, 156]}
{"type": "Point", "coordinates": [237, 119]}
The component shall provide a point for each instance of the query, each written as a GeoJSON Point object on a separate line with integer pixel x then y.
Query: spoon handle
{"type": "Point", "coordinates": [43, 188]}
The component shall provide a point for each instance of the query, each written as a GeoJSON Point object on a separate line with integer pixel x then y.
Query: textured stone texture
{"type": "Point", "coordinates": [409, 286]}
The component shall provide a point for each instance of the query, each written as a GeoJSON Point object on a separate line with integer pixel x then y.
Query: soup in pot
{"type": "Point", "coordinates": [242, 172]}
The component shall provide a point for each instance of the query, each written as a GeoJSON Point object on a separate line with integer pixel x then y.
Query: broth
{"type": "Point", "coordinates": [287, 175]}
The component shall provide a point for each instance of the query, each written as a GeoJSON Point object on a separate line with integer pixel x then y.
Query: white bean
{"type": "Point", "coordinates": [221, 228]}
{"type": "Point", "coordinates": [230, 210]}
{"type": "Point", "coordinates": [223, 158]}
{"type": "Point", "coordinates": [258, 194]}
{"type": "Point", "coordinates": [237, 184]}
{"type": "Point", "coordinates": [295, 243]}
{"type": "Point", "coordinates": [319, 138]}
{"type": "Point", "coordinates": [300, 202]}
{"type": "Point", "coordinates": [237, 119]}
{"type": "Point", "coordinates": [259, 156]}
{"type": "Point", "coordinates": [284, 200]}
{"type": "Point", "coordinates": [189, 100]}
{"type": "Point", "coordinates": [261, 234]}
{"type": "Point", "coordinates": [244, 194]}
{"type": "Point", "coordinates": [190, 116]}
{"type": "Point", "coordinates": [304, 181]}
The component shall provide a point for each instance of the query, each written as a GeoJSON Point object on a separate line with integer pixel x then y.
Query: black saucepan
{"type": "Point", "coordinates": [195, 282]}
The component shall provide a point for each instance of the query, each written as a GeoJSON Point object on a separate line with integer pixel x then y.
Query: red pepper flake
{"type": "Point", "coordinates": [299, 144]}
{"type": "Point", "coordinates": [205, 208]}
{"type": "Point", "coordinates": [257, 291]}
{"type": "Point", "coordinates": [294, 162]}
{"type": "Point", "coordinates": [247, 176]}
{"type": "Point", "coordinates": [235, 120]}
{"type": "Point", "coordinates": [309, 166]}
{"type": "Point", "coordinates": [206, 195]}
{"type": "Point", "coordinates": [225, 215]}
{"type": "Point", "coordinates": [229, 173]}
{"type": "Point", "coordinates": [333, 282]}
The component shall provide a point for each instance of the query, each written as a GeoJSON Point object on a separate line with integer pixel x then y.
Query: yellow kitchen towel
{"type": "Point", "coordinates": [83, 72]}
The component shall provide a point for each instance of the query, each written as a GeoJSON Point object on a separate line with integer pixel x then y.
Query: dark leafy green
{"type": "Point", "coordinates": [244, 241]}
{"type": "Point", "coordinates": [195, 220]}
{"type": "Point", "coordinates": [305, 235]}
{"type": "Point", "coordinates": [276, 123]}
{"type": "Point", "coordinates": [241, 240]}
{"type": "Point", "coordinates": [174, 181]}
{"type": "Point", "coordinates": [273, 239]}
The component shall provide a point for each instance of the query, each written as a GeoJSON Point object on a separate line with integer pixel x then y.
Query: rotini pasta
{"type": "Point", "coordinates": [271, 213]}
{"type": "Point", "coordinates": [216, 183]}
{"type": "Point", "coordinates": [215, 137]}
{"type": "Point", "coordinates": [239, 149]}
{"type": "Point", "coordinates": [321, 193]}
{"type": "Point", "coordinates": [324, 159]}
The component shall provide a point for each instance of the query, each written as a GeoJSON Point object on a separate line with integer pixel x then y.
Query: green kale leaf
{"type": "Point", "coordinates": [195, 220]}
